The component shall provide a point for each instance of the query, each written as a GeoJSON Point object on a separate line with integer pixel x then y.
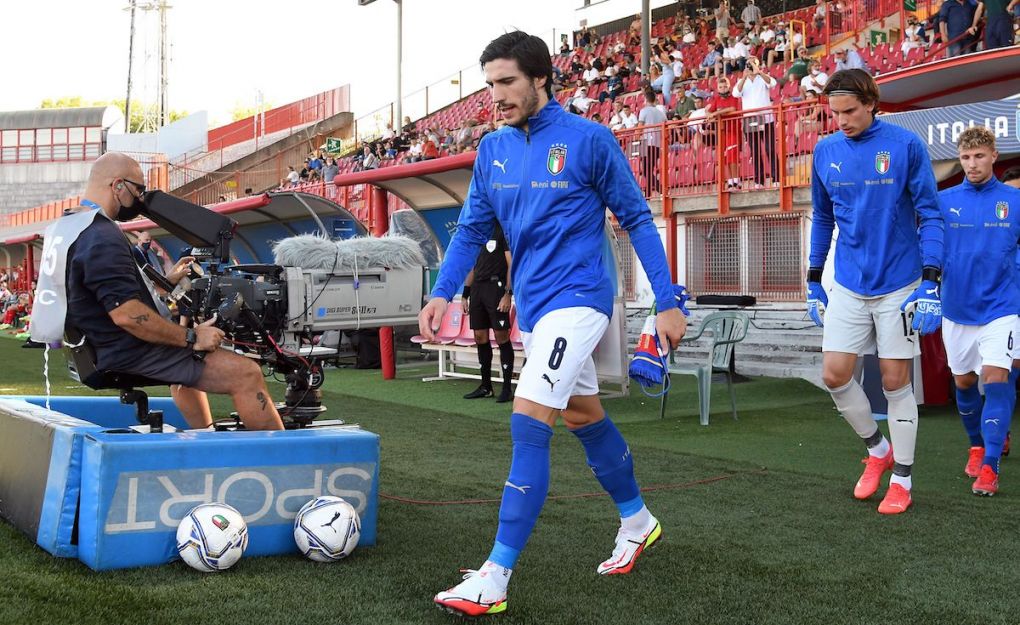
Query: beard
{"type": "Point", "coordinates": [528, 106]}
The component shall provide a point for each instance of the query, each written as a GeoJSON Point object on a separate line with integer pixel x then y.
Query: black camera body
{"type": "Point", "coordinates": [275, 314]}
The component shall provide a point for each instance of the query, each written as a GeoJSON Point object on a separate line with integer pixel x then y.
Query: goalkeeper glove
{"type": "Point", "coordinates": [927, 307]}
{"type": "Point", "coordinates": [817, 300]}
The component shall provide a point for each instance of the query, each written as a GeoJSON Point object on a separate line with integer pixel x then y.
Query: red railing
{"type": "Point", "coordinates": [154, 168]}
{"type": "Point", "coordinates": [768, 148]}
{"type": "Point", "coordinates": [305, 111]}
{"type": "Point", "coordinates": [289, 117]}
{"type": "Point", "coordinates": [44, 145]}
{"type": "Point", "coordinates": [849, 19]}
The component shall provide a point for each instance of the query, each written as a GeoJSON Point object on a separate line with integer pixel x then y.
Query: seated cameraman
{"type": "Point", "coordinates": [113, 306]}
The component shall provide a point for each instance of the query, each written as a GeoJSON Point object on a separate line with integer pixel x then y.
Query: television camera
{"type": "Point", "coordinates": [275, 313]}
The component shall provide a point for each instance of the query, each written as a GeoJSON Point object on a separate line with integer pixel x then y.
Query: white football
{"type": "Point", "coordinates": [327, 529]}
{"type": "Point", "coordinates": [212, 537]}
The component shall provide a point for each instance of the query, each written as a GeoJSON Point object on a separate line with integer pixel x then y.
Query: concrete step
{"type": "Point", "coordinates": [780, 342]}
{"type": "Point", "coordinates": [17, 197]}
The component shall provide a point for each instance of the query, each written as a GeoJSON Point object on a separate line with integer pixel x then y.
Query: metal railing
{"type": "Point", "coordinates": [761, 149]}
{"type": "Point", "coordinates": [225, 143]}
{"type": "Point", "coordinates": [154, 171]}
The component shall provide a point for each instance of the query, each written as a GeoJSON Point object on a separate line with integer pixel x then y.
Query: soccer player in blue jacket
{"type": "Point", "coordinates": [874, 181]}
{"type": "Point", "coordinates": [981, 285]}
{"type": "Point", "coordinates": [1011, 177]}
{"type": "Point", "coordinates": [547, 177]}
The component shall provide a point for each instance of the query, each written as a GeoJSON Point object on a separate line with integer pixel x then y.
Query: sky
{"type": "Point", "coordinates": [223, 51]}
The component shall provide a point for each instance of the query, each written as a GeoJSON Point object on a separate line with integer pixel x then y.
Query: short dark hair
{"type": "Point", "coordinates": [855, 82]}
{"type": "Point", "coordinates": [530, 52]}
{"type": "Point", "coordinates": [1013, 173]}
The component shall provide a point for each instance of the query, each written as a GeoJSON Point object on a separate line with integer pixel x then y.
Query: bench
{"type": "Point", "coordinates": [455, 340]}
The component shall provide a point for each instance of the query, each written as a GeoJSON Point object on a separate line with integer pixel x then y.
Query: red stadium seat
{"type": "Point", "coordinates": [467, 335]}
{"type": "Point", "coordinates": [450, 327]}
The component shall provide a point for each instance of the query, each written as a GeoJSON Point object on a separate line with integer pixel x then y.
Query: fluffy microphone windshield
{"type": "Point", "coordinates": [310, 251]}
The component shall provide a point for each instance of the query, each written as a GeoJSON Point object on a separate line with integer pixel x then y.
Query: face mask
{"type": "Point", "coordinates": [146, 246]}
{"type": "Point", "coordinates": [127, 213]}
{"type": "Point", "coordinates": [724, 94]}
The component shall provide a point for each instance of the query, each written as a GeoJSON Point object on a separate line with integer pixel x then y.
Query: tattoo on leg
{"type": "Point", "coordinates": [262, 399]}
{"type": "Point", "coordinates": [140, 319]}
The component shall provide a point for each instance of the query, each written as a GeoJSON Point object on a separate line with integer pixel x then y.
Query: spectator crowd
{"type": "Point", "coordinates": [15, 303]}
{"type": "Point", "coordinates": [704, 65]}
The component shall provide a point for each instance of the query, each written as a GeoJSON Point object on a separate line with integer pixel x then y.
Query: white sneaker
{"type": "Point", "coordinates": [481, 592]}
{"type": "Point", "coordinates": [628, 547]}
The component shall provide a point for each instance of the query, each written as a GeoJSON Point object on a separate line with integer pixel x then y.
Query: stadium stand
{"type": "Point", "coordinates": [689, 163]}
{"type": "Point", "coordinates": [842, 27]}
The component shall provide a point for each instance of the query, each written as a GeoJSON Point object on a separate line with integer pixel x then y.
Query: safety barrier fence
{"type": "Point", "coordinates": [154, 173]}
{"type": "Point", "coordinates": [767, 148]}
{"type": "Point", "coordinates": [847, 19]}
{"type": "Point", "coordinates": [281, 122]}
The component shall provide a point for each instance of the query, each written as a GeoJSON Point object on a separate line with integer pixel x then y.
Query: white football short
{"type": "Point", "coordinates": [856, 324]}
{"type": "Point", "coordinates": [968, 348]}
{"type": "Point", "coordinates": [559, 356]}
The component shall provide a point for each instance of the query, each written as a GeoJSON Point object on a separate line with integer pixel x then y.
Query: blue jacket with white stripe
{"type": "Point", "coordinates": [876, 187]}
{"type": "Point", "coordinates": [549, 188]}
{"type": "Point", "coordinates": [981, 281]}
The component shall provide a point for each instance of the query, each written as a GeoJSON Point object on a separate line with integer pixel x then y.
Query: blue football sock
{"type": "Point", "coordinates": [968, 402]}
{"type": "Point", "coordinates": [611, 462]}
{"type": "Point", "coordinates": [525, 489]}
{"type": "Point", "coordinates": [995, 419]}
{"type": "Point", "coordinates": [1014, 375]}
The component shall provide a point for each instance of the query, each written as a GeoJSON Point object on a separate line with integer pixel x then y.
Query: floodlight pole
{"type": "Point", "coordinates": [646, 36]}
{"type": "Point", "coordinates": [399, 122]}
{"type": "Point", "coordinates": [131, 49]}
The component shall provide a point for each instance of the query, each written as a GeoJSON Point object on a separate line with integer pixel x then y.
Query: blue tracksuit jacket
{"type": "Point", "coordinates": [875, 187]}
{"type": "Point", "coordinates": [549, 188]}
{"type": "Point", "coordinates": [981, 281]}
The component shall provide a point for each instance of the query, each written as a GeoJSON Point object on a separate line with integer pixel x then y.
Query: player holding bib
{"type": "Point", "coordinates": [547, 177]}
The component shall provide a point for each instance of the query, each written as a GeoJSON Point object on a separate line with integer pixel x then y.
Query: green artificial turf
{"type": "Point", "coordinates": [759, 523]}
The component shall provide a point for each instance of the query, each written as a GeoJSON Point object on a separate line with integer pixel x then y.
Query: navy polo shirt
{"type": "Point", "coordinates": [102, 275]}
{"type": "Point", "coordinates": [957, 17]}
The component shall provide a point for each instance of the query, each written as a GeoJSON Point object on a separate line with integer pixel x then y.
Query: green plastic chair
{"type": "Point", "coordinates": [727, 328]}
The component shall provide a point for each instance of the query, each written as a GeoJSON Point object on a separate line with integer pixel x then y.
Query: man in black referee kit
{"type": "Point", "coordinates": [486, 299]}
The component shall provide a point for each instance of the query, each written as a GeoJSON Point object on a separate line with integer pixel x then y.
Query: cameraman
{"type": "Point", "coordinates": [112, 305]}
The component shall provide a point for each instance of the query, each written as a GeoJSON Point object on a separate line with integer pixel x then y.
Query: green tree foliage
{"type": "Point", "coordinates": [138, 109]}
{"type": "Point", "coordinates": [241, 111]}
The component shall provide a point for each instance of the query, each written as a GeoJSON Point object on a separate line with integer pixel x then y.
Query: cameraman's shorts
{"type": "Point", "coordinates": [171, 365]}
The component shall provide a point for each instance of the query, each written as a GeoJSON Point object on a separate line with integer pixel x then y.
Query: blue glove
{"type": "Point", "coordinates": [927, 307]}
{"type": "Point", "coordinates": [817, 300]}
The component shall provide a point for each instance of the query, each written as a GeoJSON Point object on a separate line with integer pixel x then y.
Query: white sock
{"type": "Point", "coordinates": [637, 522]}
{"type": "Point", "coordinates": [902, 423]}
{"type": "Point", "coordinates": [499, 575]}
{"type": "Point", "coordinates": [880, 450]}
{"type": "Point", "coordinates": [852, 402]}
{"type": "Point", "coordinates": [903, 481]}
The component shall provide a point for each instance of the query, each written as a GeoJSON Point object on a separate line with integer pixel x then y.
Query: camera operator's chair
{"type": "Point", "coordinates": [81, 361]}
